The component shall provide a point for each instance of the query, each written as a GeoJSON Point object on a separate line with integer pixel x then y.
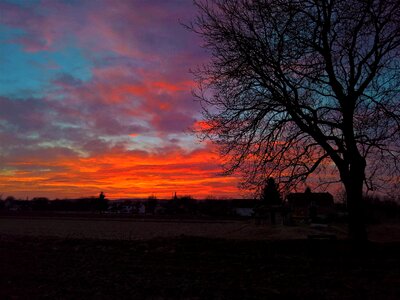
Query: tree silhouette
{"type": "Point", "coordinates": [294, 86]}
{"type": "Point", "coordinates": [270, 198]}
{"type": "Point", "coordinates": [270, 195]}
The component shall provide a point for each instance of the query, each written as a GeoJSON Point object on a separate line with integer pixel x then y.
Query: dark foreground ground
{"type": "Point", "coordinates": [196, 268]}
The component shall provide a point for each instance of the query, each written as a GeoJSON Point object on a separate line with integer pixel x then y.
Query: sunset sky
{"type": "Point", "coordinates": [95, 95]}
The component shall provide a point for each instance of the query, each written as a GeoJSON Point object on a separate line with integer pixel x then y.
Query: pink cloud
{"type": "Point", "coordinates": [142, 30]}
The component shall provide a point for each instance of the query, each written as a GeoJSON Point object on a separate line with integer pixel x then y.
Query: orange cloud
{"type": "Point", "coordinates": [122, 174]}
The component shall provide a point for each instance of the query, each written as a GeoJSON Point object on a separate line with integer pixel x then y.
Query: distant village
{"type": "Point", "coordinates": [303, 207]}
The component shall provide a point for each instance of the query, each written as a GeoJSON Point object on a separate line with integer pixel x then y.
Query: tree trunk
{"type": "Point", "coordinates": [354, 188]}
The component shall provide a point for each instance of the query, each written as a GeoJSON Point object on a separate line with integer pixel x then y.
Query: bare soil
{"type": "Point", "coordinates": [97, 226]}
{"type": "Point", "coordinates": [91, 258]}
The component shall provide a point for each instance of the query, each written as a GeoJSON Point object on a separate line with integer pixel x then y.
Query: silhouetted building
{"type": "Point", "coordinates": [309, 205]}
{"type": "Point", "coordinates": [243, 208]}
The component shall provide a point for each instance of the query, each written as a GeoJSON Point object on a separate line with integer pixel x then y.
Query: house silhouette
{"type": "Point", "coordinates": [304, 205]}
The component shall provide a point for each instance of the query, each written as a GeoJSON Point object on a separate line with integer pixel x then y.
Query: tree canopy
{"type": "Point", "coordinates": [293, 86]}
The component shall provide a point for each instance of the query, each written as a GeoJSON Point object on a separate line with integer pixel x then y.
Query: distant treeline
{"type": "Point", "coordinates": [152, 205]}
{"type": "Point", "coordinates": [376, 207]}
{"type": "Point", "coordinates": [44, 204]}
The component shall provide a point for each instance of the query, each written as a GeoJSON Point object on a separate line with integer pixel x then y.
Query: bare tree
{"type": "Point", "coordinates": [294, 85]}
